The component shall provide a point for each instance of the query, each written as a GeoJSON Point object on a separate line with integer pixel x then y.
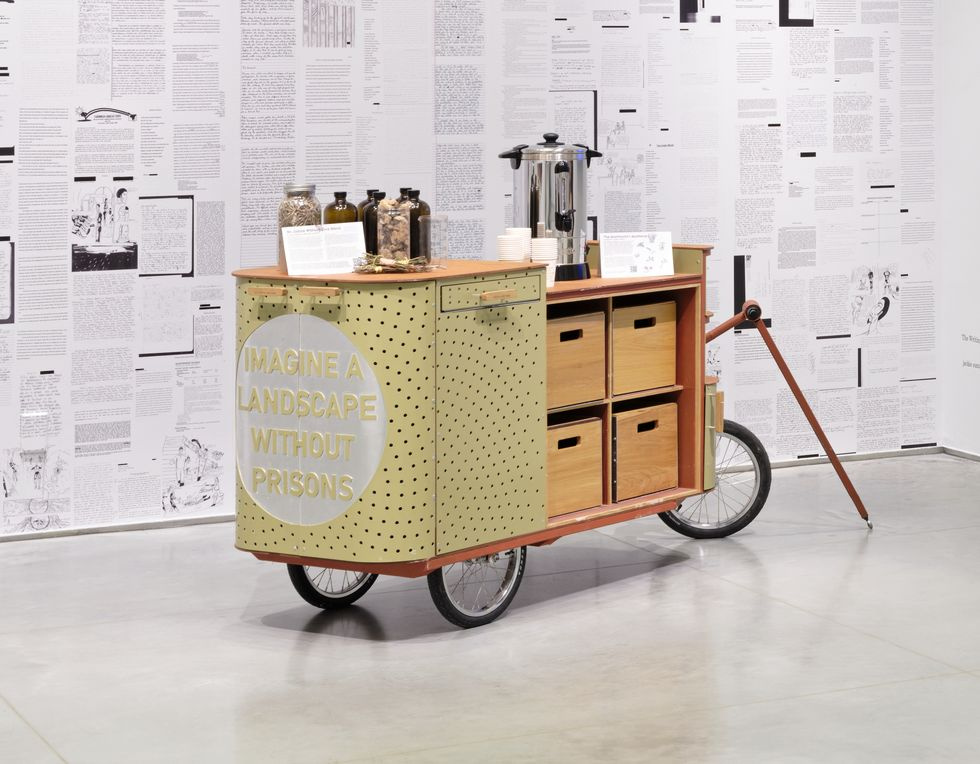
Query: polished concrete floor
{"type": "Point", "coordinates": [802, 639]}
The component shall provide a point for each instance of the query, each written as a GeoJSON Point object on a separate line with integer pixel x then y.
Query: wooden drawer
{"type": "Point", "coordinates": [489, 293]}
{"type": "Point", "coordinates": [574, 466]}
{"type": "Point", "coordinates": [644, 451]}
{"type": "Point", "coordinates": [576, 359]}
{"type": "Point", "coordinates": [644, 341]}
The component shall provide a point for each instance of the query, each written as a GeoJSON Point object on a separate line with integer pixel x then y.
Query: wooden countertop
{"type": "Point", "coordinates": [599, 287]}
{"type": "Point", "coordinates": [453, 269]}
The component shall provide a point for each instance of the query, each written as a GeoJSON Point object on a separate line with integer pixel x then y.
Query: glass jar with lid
{"type": "Point", "coordinates": [299, 207]}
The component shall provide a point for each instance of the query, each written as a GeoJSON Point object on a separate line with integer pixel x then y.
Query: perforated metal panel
{"type": "Point", "coordinates": [490, 389]}
{"type": "Point", "coordinates": [392, 326]}
{"type": "Point", "coordinates": [489, 291]}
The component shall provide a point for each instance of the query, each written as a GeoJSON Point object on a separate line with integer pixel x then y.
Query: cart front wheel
{"type": "Point", "coordinates": [329, 588]}
{"type": "Point", "coordinates": [475, 592]}
{"type": "Point", "coordinates": [743, 480]}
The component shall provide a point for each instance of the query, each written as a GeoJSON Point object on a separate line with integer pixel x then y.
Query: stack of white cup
{"type": "Point", "coordinates": [525, 234]}
{"type": "Point", "coordinates": [510, 247]}
{"type": "Point", "coordinates": [546, 251]}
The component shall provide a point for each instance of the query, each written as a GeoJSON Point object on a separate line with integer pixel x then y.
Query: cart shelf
{"type": "Point", "coordinates": [666, 390]}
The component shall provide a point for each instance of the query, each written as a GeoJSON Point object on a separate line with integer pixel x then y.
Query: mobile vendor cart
{"type": "Point", "coordinates": [439, 423]}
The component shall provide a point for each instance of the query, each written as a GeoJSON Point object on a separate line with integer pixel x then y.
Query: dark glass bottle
{"type": "Point", "coordinates": [364, 203]}
{"type": "Point", "coordinates": [417, 208]}
{"type": "Point", "coordinates": [371, 223]}
{"type": "Point", "coordinates": [340, 210]}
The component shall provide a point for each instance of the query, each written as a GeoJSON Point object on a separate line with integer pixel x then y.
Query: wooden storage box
{"type": "Point", "coordinates": [644, 451]}
{"type": "Point", "coordinates": [576, 359]}
{"type": "Point", "coordinates": [574, 466]}
{"type": "Point", "coordinates": [644, 347]}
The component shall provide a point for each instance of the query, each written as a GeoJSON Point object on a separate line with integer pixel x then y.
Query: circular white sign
{"type": "Point", "coordinates": [311, 423]}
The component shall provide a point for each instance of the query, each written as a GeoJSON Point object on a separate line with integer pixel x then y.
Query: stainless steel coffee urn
{"type": "Point", "coordinates": [550, 196]}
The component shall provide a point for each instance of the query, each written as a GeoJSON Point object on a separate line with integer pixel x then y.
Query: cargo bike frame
{"type": "Point", "coordinates": [721, 475]}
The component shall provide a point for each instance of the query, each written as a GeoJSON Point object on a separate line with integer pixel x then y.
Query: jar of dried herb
{"type": "Point", "coordinates": [393, 229]}
{"type": "Point", "coordinates": [299, 207]}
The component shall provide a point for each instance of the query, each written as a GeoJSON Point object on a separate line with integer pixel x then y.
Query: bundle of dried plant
{"type": "Point", "coordinates": [378, 264]}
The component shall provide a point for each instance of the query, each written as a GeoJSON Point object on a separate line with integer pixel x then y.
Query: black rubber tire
{"type": "Point", "coordinates": [737, 432]}
{"type": "Point", "coordinates": [451, 612]}
{"type": "Point", "coordinates": [305, 588]}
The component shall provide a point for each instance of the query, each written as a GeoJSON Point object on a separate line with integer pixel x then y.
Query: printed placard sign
{"type": "Point", "coordinates": [311, 421]}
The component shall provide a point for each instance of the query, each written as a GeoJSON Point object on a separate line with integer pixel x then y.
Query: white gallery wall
{"type": "Point", "coordinates": [144, 143]}
{"type": "Point", "coordinates": [959, 334]}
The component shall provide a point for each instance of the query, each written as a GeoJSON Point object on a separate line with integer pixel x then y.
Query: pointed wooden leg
{"type": "Point", "coordinates": [752, 312]}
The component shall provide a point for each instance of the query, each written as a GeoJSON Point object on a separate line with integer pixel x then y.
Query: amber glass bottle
{"type": "Point", "coordinates": [340, 210]}
{"type": "Point", "coordinates": [417, 208]}
{"type": "Point", "coordinates": [364, 203]}
{"type": "Point", "coordinates": [371, 223]}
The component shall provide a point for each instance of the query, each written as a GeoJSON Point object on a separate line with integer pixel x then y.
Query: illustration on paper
{"type": "Point", "coordinates": [193, 477]}
{"type": "Point", "coordinates": [34, 488]}
{"type": "Point", "coordinates": [874, 299]}
{"type": "Point", "coordinates": [328, 24]}
{"type": "Point", "coordinates": [101, 228]}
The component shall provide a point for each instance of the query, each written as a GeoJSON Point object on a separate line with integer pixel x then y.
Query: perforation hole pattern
{"type": "Point", "coordinates": [467, 294]}
{"type": "Point", "coordinates": [392, 325]}
{"type": "Point", "coordinates": [490, 387]}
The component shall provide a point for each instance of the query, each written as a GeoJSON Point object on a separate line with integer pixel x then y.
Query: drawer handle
{"type": "Point", "coordinates": [647, 426]}
{"type": "Point", "coordinates": [315, 291]}
{"type": "Point", "coordinates": [569, 442]}
{"type": "Point", "coordinates": [571, 334]}
{"type": "Point", "coordinates": [261, 291]}
{"type": "Point", "coordinates": [645, 323]}
{"type": "Point", "coordinates": [498, 294]}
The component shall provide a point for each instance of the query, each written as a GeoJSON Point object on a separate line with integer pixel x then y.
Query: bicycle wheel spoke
{"type": "Point", "coordinates": [482, 584]}
{"type": "Point", "coordinates": [735, 491]}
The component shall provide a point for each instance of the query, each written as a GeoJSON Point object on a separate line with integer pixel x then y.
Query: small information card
{"type": "Point", "coordinates": [636, 254]}
{"type": "Point", "coordinates": [315, 249]}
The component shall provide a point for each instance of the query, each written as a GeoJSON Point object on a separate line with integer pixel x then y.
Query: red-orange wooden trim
{"type": "Point", "coordinates": [812, 419]}
{"type": "Point", "coordinates": [562, 525]}
{"type": "Point", "coordinates": [600, 287]}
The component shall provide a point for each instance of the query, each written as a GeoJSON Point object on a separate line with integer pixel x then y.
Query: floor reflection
{"type": "Point", "coordinates": [552, 573]}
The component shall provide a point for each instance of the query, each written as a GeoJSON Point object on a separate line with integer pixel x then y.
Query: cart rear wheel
{"type": "Point", "coordinates": [743, 479]}
{"type": "Point", "coordinates": [475, 592]}
{"type": "Point", "coordinates": [329, 588]}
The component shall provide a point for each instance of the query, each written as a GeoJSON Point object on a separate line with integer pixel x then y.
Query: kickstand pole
{"type": "Point", "coordinates": [752, 313]}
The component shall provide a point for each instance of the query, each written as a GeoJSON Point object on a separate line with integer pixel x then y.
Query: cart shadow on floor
{"type": "Point", "coordinates": [546, 582]}
{"type": "Point", "coordinates": [392, 615]}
